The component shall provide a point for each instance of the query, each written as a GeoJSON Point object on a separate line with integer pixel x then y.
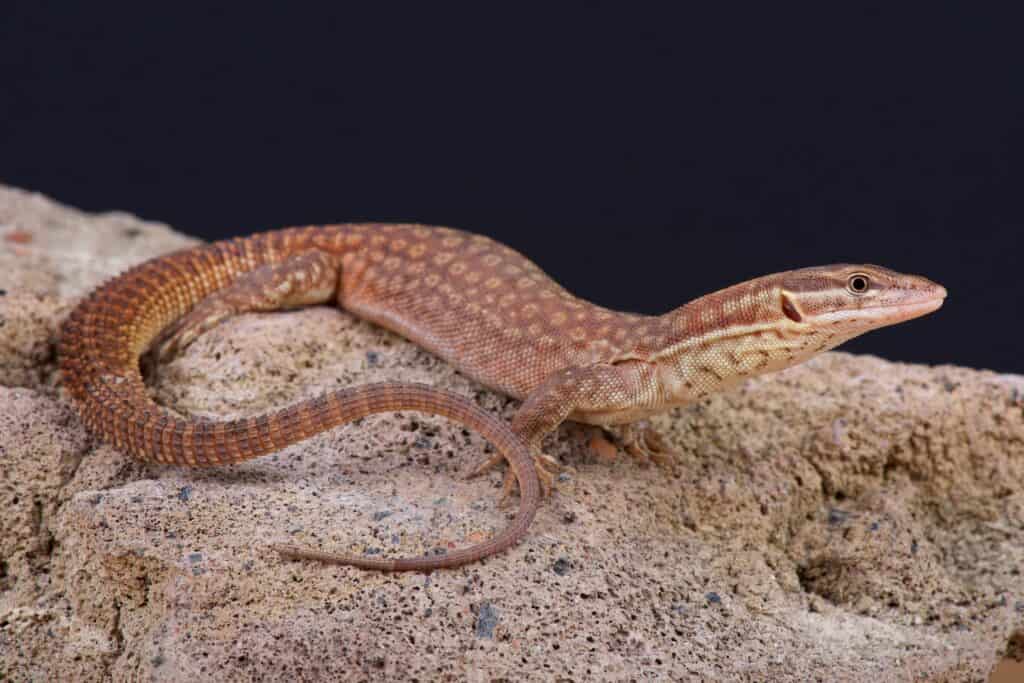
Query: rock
{"type": "Point", "coordinates": [849, 519]}
{"type": "Point", "coordinates": [50, 255]}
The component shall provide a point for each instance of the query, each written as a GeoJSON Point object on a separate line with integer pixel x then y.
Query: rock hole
{"type": "Point", "coordinates": [1015, 646]}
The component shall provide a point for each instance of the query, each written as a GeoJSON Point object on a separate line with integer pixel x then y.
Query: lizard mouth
{"type": "Point", "coordinates": [907, 306]}
{"type": "Point", "coordinates": [908, 310]}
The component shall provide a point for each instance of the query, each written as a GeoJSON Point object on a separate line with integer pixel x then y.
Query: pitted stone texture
{"type": "Point", "coordinates": [50, 255]}
{"type": "Point", "coordinates": [850, 519]}
{"type": "Point", "coordinates": [52, 248]}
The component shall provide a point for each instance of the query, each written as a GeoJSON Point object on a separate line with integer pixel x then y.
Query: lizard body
{"type": "Point", "coordinates": [479, 305]}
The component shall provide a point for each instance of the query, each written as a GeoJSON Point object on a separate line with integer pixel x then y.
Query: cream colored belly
{"type": "Point", "coordinates": [616, 417]}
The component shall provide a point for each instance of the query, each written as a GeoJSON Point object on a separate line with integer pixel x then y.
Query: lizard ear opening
{"type": "Point", "coordinates": [790, 309]}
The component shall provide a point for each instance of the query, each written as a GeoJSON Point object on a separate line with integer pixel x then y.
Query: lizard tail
{"type": "Point", "coordinates": [103, 338]}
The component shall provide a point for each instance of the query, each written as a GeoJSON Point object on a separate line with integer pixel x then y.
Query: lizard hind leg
{"type": "Point", "coordinates": [303, 280]}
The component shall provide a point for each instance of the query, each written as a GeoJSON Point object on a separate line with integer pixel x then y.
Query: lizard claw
{"type": "Point", "coordinates": [486, 465]}
{"type": "Point", "coordinates": [547, 469]}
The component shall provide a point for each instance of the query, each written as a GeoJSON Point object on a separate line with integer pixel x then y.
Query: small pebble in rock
{"type": "Point", "coordinates": [486, 619]}
{"type": "Point", "coordinates": [837, 516]}
{"type": "Point", "coordinates": [561, 566]}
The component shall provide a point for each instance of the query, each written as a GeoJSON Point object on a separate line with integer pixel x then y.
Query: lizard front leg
{"type": "Point", "coordinates": [592, 390]}
{"type": "Point", "coordinates": [303, 280]}
{"type": "Point", "coordinates": [643, 443]}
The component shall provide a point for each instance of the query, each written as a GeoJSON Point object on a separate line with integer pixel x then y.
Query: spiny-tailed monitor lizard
{"type": "Point", "coordinates": [479, 305]}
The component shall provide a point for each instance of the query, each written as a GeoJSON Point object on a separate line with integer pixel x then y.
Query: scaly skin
{"type": "Point", "coordinates": [479, 305]}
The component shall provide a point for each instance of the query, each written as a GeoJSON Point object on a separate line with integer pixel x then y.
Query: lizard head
{"type": "Point", "coordinates": [777, 321]}
{"type": "Point", "coordinates": [816, 309]}
{"type": "Point", "coordinates": [842, 301]}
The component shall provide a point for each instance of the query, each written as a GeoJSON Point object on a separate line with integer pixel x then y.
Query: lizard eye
{"type": "Point", "coordinates": [858, 283]}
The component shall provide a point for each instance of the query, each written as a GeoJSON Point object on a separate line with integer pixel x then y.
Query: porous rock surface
{"type": "Point", "coordinates": [849, 519]}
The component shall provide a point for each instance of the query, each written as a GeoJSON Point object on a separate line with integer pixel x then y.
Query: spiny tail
{"type": "Point", "coordinates": [104, 336]}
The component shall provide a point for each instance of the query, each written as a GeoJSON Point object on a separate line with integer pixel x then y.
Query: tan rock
{"type": "Point", "coordinates": [850, 519]}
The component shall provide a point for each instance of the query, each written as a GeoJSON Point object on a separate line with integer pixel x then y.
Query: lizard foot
{"type": "Point", "coordinates": [547, 469]}
{"type": "Point", "coordinates": [205, 316]}
{"type": "Point", "coordinates": [303, 280]}
{"type": "Point", "coordinates": [644, 444]}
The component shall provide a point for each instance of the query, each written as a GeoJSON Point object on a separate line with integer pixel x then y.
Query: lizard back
{"type": "Point", "coordinates": [478, 304]}
{"type": "Point", "coordinates": [482, 306]}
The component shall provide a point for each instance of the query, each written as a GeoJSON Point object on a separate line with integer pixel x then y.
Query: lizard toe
{"type": "Point", "coordinates": [487, 465]}
{"type": "Point", "coordinates": [645, 445]}
{"type": "Point", "coordinates": [547, 469]}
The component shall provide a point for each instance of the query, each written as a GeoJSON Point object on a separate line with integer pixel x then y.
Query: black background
{"type": "Point", "coordinates": [642, 157]}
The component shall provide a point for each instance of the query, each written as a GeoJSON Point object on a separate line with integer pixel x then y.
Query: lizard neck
{"type": "Point", "coordinates": [722, 338]}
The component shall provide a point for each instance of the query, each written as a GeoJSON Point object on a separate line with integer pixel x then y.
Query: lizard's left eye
{"type": "Point", "coordinates": [858, 283]}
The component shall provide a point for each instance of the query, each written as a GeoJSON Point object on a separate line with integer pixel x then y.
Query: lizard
{"type": "Point", "coordinates": [479, 305]}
